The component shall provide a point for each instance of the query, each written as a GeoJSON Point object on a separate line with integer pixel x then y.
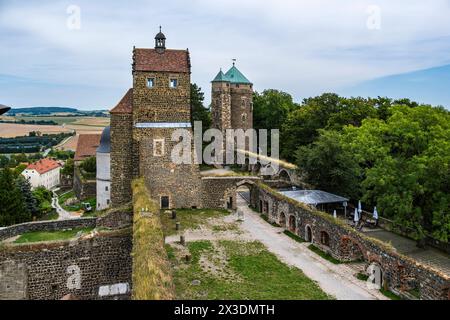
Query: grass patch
{"type": "Point", "coordinates": [77, 206]}
{"type": "Point", "coordinates": [362, 276]}
{"type": "Point", "coordinates": [293, 236]}
{"type": "Point", "coordinates": [39, 236]}
{"type": "Point", "coordinates": [240, 271]}
{"type": "Point", "coordinates": [390, 294]}
{"type": "Point", "coordinates": [189, 219]}
{"type": "Point", "coordinates": [323, 254]}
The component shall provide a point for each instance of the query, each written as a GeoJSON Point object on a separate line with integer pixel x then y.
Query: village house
{"type": "Point", "coordinates": [45, 173]}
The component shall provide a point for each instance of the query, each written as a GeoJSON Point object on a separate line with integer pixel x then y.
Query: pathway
{"type": "Point", "coordinates": [62, 214]}
{"type": "Point", "coordinates": [337, 280]}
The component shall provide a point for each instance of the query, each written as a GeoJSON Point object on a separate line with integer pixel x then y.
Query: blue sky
{"type": "Point", "coordinates": [398, 48]}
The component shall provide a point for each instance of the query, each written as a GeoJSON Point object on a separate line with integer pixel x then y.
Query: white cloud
{"type": "Point", "coordinates": [304, 47]}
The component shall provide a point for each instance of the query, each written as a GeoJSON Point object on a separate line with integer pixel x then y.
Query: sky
{"type": "Point", "coordinates": [78, 53]}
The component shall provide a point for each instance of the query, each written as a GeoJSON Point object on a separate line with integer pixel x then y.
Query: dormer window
{"type": "Point", "coordinates": [173, 83]}
{"type": "Point", "coordinates": [150, 82]}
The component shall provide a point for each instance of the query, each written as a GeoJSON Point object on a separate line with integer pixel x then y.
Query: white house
{"type": "Point", "coordinates": [45, 173]}
{"type": "Point", "coordinates": [103, 171]}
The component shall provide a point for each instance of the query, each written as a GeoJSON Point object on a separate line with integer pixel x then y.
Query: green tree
{"type": "Point", "coordinates": [198, 110]}
{"type": "Point", "coordinates": [327, 165]}
{"type": "Point", "coordinates": [68, 169]}
{"type": "Point", "coordinates": [44, 199]}
{"type": "Point", "coordinates": [30, 201]}
{"type": "Point", "coordinates": [13, 209]}
{"type": "Point", "coordinates": [89, 165]}
{"type": "Point", "coordinates": [271, 108]}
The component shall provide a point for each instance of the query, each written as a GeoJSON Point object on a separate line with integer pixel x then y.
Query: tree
{"type": "Point", "coordinates": [327, 165]}
{"type": "Point", "coordinates": [12, 209]}
{"type": "Point", "coordinates": [44, 199]}
{"type": "Point", "coordinates": [198, 110]}
{"type": "Point", "coordinates": [30, 201]}
{"type": "Point", "coordinates": [271, 108]}
{"type": "Point", "coordinates": [68, 169]}
{"type": "Point", "coordinates": [89, 165]}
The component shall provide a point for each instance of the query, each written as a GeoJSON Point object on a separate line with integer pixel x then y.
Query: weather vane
{"type": "Point", "coordinates": [234, 61]}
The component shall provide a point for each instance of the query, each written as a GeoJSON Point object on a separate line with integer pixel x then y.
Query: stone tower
{"type": "Point", "coordinates": [142, 126]}
{"type": "Point", "coordinates": [232, 101]}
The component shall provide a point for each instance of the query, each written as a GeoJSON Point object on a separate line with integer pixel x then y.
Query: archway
{"type": "Point", "coordinates": [324, 238]}
{"type": "Point", "coordinates": [284, 176]}
{"type": "Point", "coordinates": [292, 224]}
{"type": "Point", "coordinates": [282, 220]}
{"type": "Point", "coordinates": [308, 234]}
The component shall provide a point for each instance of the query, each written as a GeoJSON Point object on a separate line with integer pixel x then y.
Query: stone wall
{"type": "Point", "coordinates": [18, 229]}
{"type": "Point", "coordinates": [241, 106]}
{"type": "Point", "coordinates": [220, 192]}
{"type": "Point", "coordinates": [121, 158]}
{"type": "Point", "coordinates": [400, 273]}
{"type": "Point", "coordinates": [91, 268]}
{"type": "Point", "coordinates": [83, 188]}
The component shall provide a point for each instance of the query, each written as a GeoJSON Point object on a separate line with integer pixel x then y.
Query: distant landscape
{"type": "Point", "coordinates": [23, 122]}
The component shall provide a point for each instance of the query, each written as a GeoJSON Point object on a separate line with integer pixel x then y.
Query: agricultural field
{"type": "Point", "coordinates": [78, 124]}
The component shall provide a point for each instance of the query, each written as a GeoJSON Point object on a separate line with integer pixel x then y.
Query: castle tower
{"type": "Point", "coordinates": [142, 126]}
{"type": "Point", "coordinates": [232, 101]}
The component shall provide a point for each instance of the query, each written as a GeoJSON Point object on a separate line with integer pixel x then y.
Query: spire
{"type": "Point", "coordinates": [221, 77]}
{"type": "Point", "coordinates": [160, 41]}
{"type": "Point", "coordinates": [235, 76]}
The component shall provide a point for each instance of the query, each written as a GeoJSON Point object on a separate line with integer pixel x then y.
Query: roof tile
{"type": "Point", "coordinates": [44, 165]}
{"type": "Point", "coordinates": [87, 146]}
{"type": "Point", "coordinates": [170, 61]}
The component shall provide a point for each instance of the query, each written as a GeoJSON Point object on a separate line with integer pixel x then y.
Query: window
{"type": "Point", "coordinates": [158, 147]}
{"type": "Point", "coordinates": [165, 202]}
{"type": "Point", "coordinates": [106, 188]}
{"type": "Point", "coordinates": [173, 83]}
{"type": "Point", "coordinates": [150, 82]}
{"type": "Point", "coordinates": [107, 201]}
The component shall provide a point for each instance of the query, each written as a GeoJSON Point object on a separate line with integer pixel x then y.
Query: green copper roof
{"type": "Point", "coordinates": [235, 76]}
{"type": "Point", "coordinates": [221, 77]}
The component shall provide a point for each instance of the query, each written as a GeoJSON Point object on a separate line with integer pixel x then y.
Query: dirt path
{"type": "Point", "coordinates": [337, 280]}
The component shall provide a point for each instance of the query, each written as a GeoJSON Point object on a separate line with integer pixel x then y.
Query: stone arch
{"type": "Point", "coordinates": [324, 238]}
{"type": "Point", "coordinates": [292, 223]}
{"type": "Point", "coordinates": [282, 219]}
{"type": "Point", "coordinates": [308, 233]}
{"type": "Point", "coordinates": [351, 250]}
{"type": "Point", "coordinates": [284, 175]}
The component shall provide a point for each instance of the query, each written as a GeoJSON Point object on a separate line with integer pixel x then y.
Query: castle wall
{"type": "Point", "coordinates": [400, 273]}
{"type": "Point", "coordinates": [180, 182]}
{"type": "Point", "coordinates": [47, 271]}
{"type": "Point", "coordinates": [121, 158]}
{"type": "Point", "coordinates": [161, 103]}
{"type": "Point", "coordinates": [241, 106]}
{"type": "Point", "coordinates": [221, 105]}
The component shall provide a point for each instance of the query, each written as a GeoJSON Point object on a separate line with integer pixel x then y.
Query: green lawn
{"type": "Point", "coordinates": [189, 219]}
{"type": "Point", "coordinates": [77, 206]}
{"type": "Point", "coordinates": [39, 236]}
{"type": "Point", "coordinates": [323, 254]}
{"type": "Point", "coordinates": [238, 270]}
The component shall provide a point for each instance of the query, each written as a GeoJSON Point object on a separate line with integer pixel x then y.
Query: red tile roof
{"type": "Point", "coordinates": [169, 61]}
{"type": "Point", "coordinates": [125, 105]}
{"type": "Point", "coordinates": [44, 165]}
{"type": "Point", "coordinates": [87, 146]}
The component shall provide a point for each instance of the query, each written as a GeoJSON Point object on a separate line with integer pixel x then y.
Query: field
{"type": "Point", "coordinates": [81, 125]}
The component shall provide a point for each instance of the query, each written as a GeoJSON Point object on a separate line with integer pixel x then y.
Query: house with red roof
{"type": "Point", "coordinates": [45, 173]}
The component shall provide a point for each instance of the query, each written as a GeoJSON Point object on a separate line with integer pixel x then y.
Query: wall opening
{"type": "Point", "coordinates": [292, 224]}
{"type": "Point", "coordinates": [324, 238]}
{"type": "Point", "coordinates": [308, 234]}
{"type": "Point", "coordinates": [165, 202]}
{"type": "Point", "coordinates": [282, 220]}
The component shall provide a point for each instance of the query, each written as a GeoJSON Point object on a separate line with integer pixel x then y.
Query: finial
{"type": "Point", "coordinates": [234, 62]}
{"type": "Point", "coordinates": [160, 28]}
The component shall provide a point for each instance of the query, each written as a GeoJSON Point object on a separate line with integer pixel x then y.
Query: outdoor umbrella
{"type": "Point", "coordinates": [375, 213]}
{"type": "Point", "coordinates": [334, 214]}
{"type": "Point", "coordinates": [356, 218]}
{"type": "Point", "coordinates": [359, 206]}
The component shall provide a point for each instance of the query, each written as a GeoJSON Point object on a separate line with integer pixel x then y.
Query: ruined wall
{"type": "Point", "coordinates": [83, 188]}
{"type": "Point", "coordinates": [95, 268]}
{"type": "Point", "coordinates": [400, 273]}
